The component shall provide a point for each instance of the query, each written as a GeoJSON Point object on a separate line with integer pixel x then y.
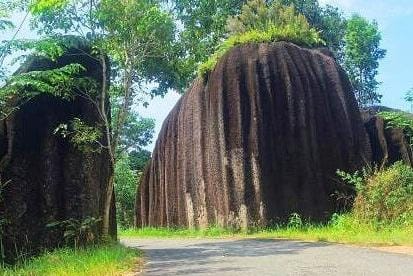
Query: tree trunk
{"type": "Point", "coordinates": [104, 113]}
{"type": "Point", "coordinates": [113, 141]}
{"type": "Point", "coordinates": [108, 205]}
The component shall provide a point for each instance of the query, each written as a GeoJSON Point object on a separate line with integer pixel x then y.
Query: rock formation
{"type": "Point", "coordinates": [47, 178]}
{"type": "Point", "coordinates": [260, 139]}
{"type": "Point", "coordinates": [388, 145]}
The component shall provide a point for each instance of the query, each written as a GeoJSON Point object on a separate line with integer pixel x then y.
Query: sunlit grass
{"type": "Point", "coordinates": [152, 232]}
{"type": "Point", "coordinates": [345, 229]}
{"type": "Point", "coordinates": [112, 259]}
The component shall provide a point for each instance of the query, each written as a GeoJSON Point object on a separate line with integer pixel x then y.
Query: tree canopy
{"type": "Point", "coordinates": [362, 55]}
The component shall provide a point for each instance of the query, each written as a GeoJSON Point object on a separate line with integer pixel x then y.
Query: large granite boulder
{"type": "Point", "coordinates": [260, 139]}
{"type": "Point", "coordinates": [47, 179]}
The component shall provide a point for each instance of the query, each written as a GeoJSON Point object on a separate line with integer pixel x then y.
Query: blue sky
{"type": "Point", "coordinates": [395, 18]}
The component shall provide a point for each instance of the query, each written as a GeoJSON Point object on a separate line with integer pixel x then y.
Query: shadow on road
{"type": "Point", "coordinates": [210, 257]}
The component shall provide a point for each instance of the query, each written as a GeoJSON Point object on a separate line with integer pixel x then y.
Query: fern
{"type": "Point", "coordinates": [64, 82]}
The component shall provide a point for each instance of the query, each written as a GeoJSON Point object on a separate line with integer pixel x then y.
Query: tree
{"type": "Point", "coordinates": [362, 55]}
{"type": "Point", "coordinates": [328, 20]}
{"type": "Point", "coordinates": [409, 98]}
{"type": "Point", "coordinates": [132, 159]}
{"type": "Point", "coordinates": [126, 179]}
{"type": "Point", "coordinates": [139, 159]}
{"type": "Point", "coordinates": [204, 27]}
{"type": "Point", "coordinates": [136, 37]}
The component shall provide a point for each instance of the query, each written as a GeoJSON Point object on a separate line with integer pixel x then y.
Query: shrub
{"type": "Point", "coordinates": [295, 221]}
{"type": "Point", "coordinates": [260, 23]}
{"type": "Point", "coordinates": [400, 120]}
{"type": "Point", "coordinates": [386, 197]}
{"type": "Point", "coordinates": [78, 232]}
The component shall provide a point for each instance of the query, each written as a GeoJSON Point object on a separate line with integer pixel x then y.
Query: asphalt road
{"type": "Point", "coordinates": [265, 257]}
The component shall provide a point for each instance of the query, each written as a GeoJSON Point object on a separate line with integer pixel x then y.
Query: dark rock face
{"type": "Point", "coordinates": [48, 179]}
{"type": "Point", "coordinates": [388, 145]}
{"type": "Point", "coordinates": [260, 139]}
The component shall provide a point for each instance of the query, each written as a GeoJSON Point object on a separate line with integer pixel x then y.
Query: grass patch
{"type": "Point", "coordinates": [342, 229]}
{"type": "Point", "coordinates": [113, 259]}
{"type": "Point", "coordinates": [152, 232]}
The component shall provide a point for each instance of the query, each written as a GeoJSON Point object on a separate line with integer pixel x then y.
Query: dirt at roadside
{"type": "Point", "coordinates": [396, 249]}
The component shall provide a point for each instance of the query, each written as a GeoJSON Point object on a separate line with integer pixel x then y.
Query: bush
{"type": "Point", "coordinates": [260, 23]}
{"type": "Point", "coordinates": [386, 197]}
{"type": "Point", "coordinates": [400, 120]}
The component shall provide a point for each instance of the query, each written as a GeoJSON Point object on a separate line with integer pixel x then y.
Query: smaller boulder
{"type": "Point", "coordinates": [388, 145]}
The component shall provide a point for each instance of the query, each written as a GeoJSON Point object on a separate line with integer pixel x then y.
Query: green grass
{"type": "Point", "coordinates": [150, 232]}
{"type": "Point", "coordinates": [113, 259]}
{"type": "Point", "coordinates": [345, 229]}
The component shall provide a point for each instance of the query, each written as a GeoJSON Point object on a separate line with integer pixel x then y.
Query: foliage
{"type": "Point", "coordinates": [295, 221]}
{"type": "Point", "coordinates": [82, 136]}
{"type": "Point", "coordinates": [111, 259]}
{"type": "Point", "coordinates": [362, 55]}
{"type": "Point", "coordinates": [409, 98]}
{"type": "Point", "coordinates": [204, 26]}
{"type": "Point", "coordinates": [278, 23]}
{"type": "Point", "coordinates": [61, 82]}
{"type": "Point", "coordinates": [51, 48]}
{"type": "Point", "coordinates": [139, 159]}
{"type": "Point", "coordinates": [137, 132]}
{"type": "Point", "coordinates": [387, 197]}
{"type": "Point", "coordinates": [41, 6]}
{"type": "Point", "coordinates": [400, 120]}
{"type": "Point", "coordinates": [328, 20]}
{"type": "Point", "coordinates": [384, 196]}
{"type": "Point", "coordinates": [78, 232]}
{"type": "Point", "coordinates": [126, 180]}
{"type": "Point", "coordinates": [140, 40]}
{"type": "Point", "coordinates": [356, 179]}
{"type": "Point", "coordinates": [132, 158]}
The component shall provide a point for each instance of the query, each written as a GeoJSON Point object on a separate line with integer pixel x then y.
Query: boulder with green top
{"type": "Point", "coordinates": [259, 138]}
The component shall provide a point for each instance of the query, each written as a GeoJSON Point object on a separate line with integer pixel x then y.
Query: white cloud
{"type": "Point", "coordinates": [381, 10]}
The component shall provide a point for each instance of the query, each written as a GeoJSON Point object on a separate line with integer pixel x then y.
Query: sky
{"type": "Point", "coordinates": [395, 19]}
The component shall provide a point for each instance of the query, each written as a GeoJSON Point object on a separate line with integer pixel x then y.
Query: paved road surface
{"type": "Point", "coordinates": [266, 257]}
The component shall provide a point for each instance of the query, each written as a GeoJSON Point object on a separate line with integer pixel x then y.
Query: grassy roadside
{"type": "Point", "coordinates": [113, 259]}
{"type": "Point", "coordinates": [344, 229]}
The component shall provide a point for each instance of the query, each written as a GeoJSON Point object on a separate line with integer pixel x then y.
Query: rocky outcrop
{"type": "Point", "coordinates": [260, 139]}
{"type": "Point", "coordinates": [388, 145]}
{"type": "Point", "coordinates": [47, 179]}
